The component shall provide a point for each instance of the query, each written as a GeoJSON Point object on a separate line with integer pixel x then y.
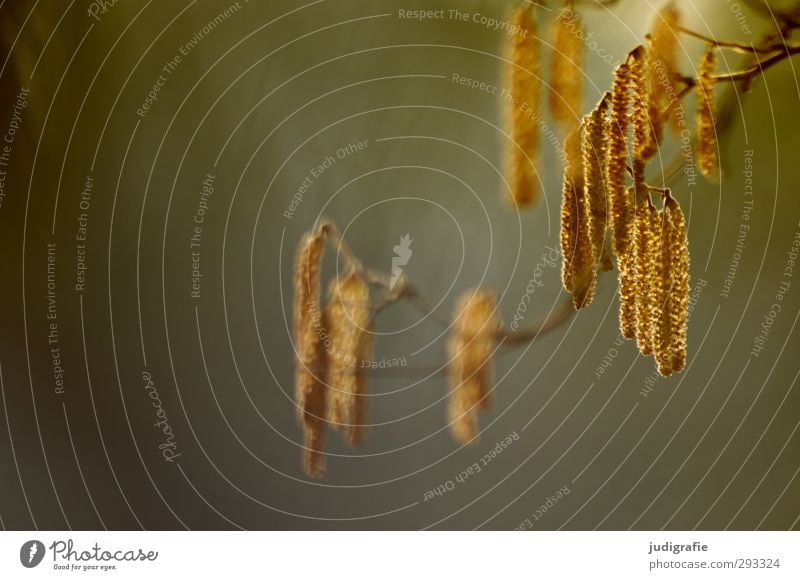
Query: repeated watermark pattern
{"type": "Point", "coordinates": [744, 226]}
{"type": "Point", "coordinates": [472, 470]}
{"type": "Point", "coordinates": [784, 286]}
{"type": "Point", "coordinates": [530, 522]}
{"type": "Point", "coordinates": [488, 22]}
{"type": "Point", "coordinates": [548, 259]}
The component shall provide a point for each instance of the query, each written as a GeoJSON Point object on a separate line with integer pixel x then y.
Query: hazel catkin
{"type": "Point", "coordinates": [470, 349]}
{"type": "Point", "coordinates": [706, 129]}
{"type": "Point", "coordinates": [566, 69]}
{"type": "Point", "coordinates": [617, 161]}
{"type": "Point", "coordinates": [671, 332]}
{"type": "Point", "coordinates": [646, 276]}
{"type": "Point", "coordinates": [595, 159]}
{"type": "Point", "coordinates": [663, 53]}
{"type": "Point", "coordinates": [347, 320]}
{"type": "Point", "coordinates": [577, 270]}
{"type": "Point", "coordinates": [310, 356]}
{"type": "Point", "coordinates": [522, 106]}
{"type": "Point", "coordinates": [642, 127]}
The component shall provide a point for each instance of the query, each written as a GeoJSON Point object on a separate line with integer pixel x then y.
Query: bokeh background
{"type": "Point", "coordinates": [258, 101]}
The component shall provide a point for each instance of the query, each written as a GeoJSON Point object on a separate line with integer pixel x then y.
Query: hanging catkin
{"type": "Point", "coordinates": [470, 349]}
{"type": "Point", "coordinates": [566, 69]}
{"type": "Point", "coordinates": [617, 161]}
{"type": "Point", "coordinates": [577, 270]}
{"type": "Point", "coordinates": [655, 115]}
{"type": "Point", "coordinates": [663, 48]}
{"type": "Point", "coordinates": [706, 130]}
{"type": "Point", "coordinates": [627, 271]}
{"type": "Point", "coordinates": [347, 319]}
{"type": "Point", "coordinates": [595, 158]}
{"type": "Point", "coordinates": [522, 109]}
{"type": "Point", "coordinates": [621, 198]}
{"type": "Point", "coordinates": [634, 303]}
{"type": "Point", "coordinates": [310, 363]}
{"type": "Point", "coordinates": [671, 333]}
{"type": "Point", "coordinates": [646, 270]}
{"type": "Point", "coordinates": [642, 150]}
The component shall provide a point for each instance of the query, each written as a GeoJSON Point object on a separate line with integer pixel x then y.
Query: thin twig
{"type": "Point", "coordinates": [511, 339]}
{"type": "Point", "coordinates": [787, 21]}
{"type": "Point", "coordinates": [748, 74]}
{"type": "Point", "coordinates": [532, 331]}
{"type": "Point", "coordinates": [744, 48]}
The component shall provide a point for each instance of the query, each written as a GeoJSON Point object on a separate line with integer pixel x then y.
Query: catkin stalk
{"type": "Point", "coordinates": [521, 101]}
{"type": "Point", "coordinates": [470, 349]}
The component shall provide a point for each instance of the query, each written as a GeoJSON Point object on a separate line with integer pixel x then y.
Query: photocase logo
{"type": "Point", "coordinates": [31, 553]}
{"type": "Point", "coordinates": [402, 254]}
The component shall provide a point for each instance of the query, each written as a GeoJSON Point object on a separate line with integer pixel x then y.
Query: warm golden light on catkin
{"type": "Point", "coordinates": [577, 270]}
{"type": "Point", "coordinates": [663, 55]}
{"type": "Point", "coordinates": [566, 69]}
{"type": "Point", "coordinates": [642, 139]}
{"type": "Point", "coordinates": [655, 114]}
{"type": "Point", "coordinates": [610, 215]}
{"type": "Point", "coordinates": [621, 197]}
{"type": "Point", "coordinates": [627, 280]}
{"type": "Point", "coordinates": [347, 319]}
{"type": "Point", "coordinates": [646, 268]}
{"type": "Point", "coordinates": [310, 363]}
{"type": "Point", "coordinates": [595, 159]}
{"type": "Point", "coordinates": [706, 129]}
{"type": "Point", "coordinates": [671, 334]}
{"type": "Point", "coordinates": [522, 110]}
{"type": "Point", "coordinates": [618, 159]}
{"type": "Point", "coordinates": [470, 349]}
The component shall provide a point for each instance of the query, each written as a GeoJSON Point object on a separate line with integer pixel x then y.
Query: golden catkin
{"type": "Point", "coordinates": [655, 114]}
{"type": "Point", "coordinates": [646, 276]}
{"type": "Point", "coordinates": [595, 157]}
{"type": "Point", "coordinates": [706, 130]}
{"type": "Point", "coordinates": [522, 110]}
{"type": "Point", "coordinates": [566, 69]}
{"type": "Point", "coordinates": [347, 317]}
{"type": "Point", "coordinates": [627, 292]}
{"type": "Point", "coordinates": [664, 44]}
{"type": "Point", "coordinates": [621, 197]}
{"type": "Point", "coordinates": [617, 161]}
{"type": "Point", "coordinates": [660, 280]}
{"type": "Point", "coordinates": [470, 349]}
{"type": "Point", "coordinates": [310, 363]}
{"type": "Point", "coordinates": [671, 334]}
{"type": "Point", "coordinates": [642, 150]}
{"type": "Point", "coordinates": [577, 270]}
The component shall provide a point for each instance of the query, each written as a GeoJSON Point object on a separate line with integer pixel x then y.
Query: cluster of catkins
{"type": "Point", "coordinates": [602, 216]}
{"type": "Point", "coordinates": [330, 345]}
{"type": "Point", "coordinates": [607, 212]}
{"type": "Point", "coordinates": [334, 341]}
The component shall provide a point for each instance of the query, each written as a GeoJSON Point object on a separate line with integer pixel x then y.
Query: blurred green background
{"type": "Point", "coordinates": [263, 94]}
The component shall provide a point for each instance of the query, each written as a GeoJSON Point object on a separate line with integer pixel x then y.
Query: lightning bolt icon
{"type": "Point", "coordinates": [402, 255]}
{"type": "Point", "coordinates": [34, 549]}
